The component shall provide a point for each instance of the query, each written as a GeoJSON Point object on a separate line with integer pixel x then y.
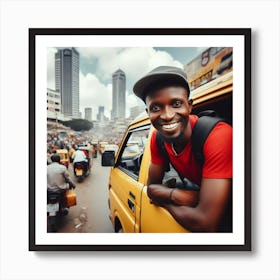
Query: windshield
{"type": "Point", "coordinates": [132, 148]}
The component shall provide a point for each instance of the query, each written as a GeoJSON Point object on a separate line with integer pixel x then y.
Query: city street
{"type": "Point", "coordinates": [91, 214]}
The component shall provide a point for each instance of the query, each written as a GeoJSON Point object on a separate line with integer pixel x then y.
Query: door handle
{"type": "Point", "coordinates": [132, 195]}
{"type": "Point", "coordinates": [131, 205]}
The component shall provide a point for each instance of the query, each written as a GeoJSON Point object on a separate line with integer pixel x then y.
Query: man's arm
{"type": "Point", "coordinates": [196, 211]}
{"type": "Point", "coordinates": [157, 192]}
{"type": "Point", "coordinates": [160, 194]}
{"type": "Point", "coordinates": [205, 217]}
{"type": "Point", "coordinates": [68, 179]}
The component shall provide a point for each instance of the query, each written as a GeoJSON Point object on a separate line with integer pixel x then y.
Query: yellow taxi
{"type": "Point", "coordinates": [64, 156]}
{"type": "Point", "coordinates": [130, 207]}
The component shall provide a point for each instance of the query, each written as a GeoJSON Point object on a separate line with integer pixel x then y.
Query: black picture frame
{"type": "Point", "coordinates": [244, 33]}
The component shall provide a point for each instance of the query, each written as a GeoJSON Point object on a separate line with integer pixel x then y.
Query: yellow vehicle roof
{"type": "Point", "coordinates": [61, 151]}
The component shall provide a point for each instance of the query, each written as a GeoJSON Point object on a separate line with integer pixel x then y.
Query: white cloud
{"type": "Point", "coordinates": [93, 94]}
{"type": "Point", "coordinates": [98, 52]}
{"type": "Point", "coordinates": [132, 101]}
{"type": "Point", "coordinates": [135, 62]}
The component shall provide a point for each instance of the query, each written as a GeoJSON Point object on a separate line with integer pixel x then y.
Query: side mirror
{"type": "Point", "coordinates": [108, 158]}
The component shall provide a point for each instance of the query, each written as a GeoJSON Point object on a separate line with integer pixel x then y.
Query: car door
{"type": "Point", "coordinates": [125, 188]}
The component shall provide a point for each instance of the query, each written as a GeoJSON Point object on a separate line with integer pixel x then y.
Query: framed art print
{"type": "Point", "coordinates": [81, 98]}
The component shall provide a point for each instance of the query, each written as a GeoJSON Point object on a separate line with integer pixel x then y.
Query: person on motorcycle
{"type": "Point", "coordinates": [58, 178]}
{"type": "Point", "coordinates": [80, 157]}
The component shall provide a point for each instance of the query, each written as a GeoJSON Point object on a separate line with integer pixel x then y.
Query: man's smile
{"type": "Point", "coordinates": [169, 126]}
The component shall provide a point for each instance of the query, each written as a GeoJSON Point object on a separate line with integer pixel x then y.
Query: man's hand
{"type": "Point", "coordinates": [72, 186]}
{"type": "Point", "coordinates": [161, 195]}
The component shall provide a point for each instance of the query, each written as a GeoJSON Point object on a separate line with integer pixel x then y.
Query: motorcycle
{"type": "Point", "coordinates": [81, 170]}
{"type": "Point", "coordinates": [58, 204]}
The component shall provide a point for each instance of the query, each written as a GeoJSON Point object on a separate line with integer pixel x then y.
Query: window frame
{"type": "Point", "coordinates": [146, 127]}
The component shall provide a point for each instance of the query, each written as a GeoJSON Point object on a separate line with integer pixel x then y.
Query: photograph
{"type": "Point", "coordinates": [140, 139]}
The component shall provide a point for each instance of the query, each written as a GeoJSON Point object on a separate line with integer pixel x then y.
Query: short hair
{"type": "Point", "coordinates": [55, 158]}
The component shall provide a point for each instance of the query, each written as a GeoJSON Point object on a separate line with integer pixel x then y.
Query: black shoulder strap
{"type": "Point", "coordinates": [160, 144]}
{"type": "Point", "coordinates": [200, 132]}
{"type": "Point", "coordinates": [186, 184]}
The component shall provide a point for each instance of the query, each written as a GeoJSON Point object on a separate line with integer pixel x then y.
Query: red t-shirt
{"type": "Point", "coordinates": [217, 155]}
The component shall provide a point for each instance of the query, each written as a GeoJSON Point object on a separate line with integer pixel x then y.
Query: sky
{"type": "Point", "coordinates": [98, 64]}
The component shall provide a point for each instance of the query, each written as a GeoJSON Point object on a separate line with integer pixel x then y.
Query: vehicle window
{"type": "Point", "coordinates": [229, 55]}
{"type": "Point", "coordinates": [132, 153]}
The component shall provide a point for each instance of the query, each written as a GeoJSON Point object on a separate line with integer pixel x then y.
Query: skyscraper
{"type": "Point", "coordinates": [100, 116]}
{"type": "Point", "coordinates": [88, 114]}
{"type": "Point", "coordinates": [67, 80]}
{"type": "Point", "coordinates": [119, 85]}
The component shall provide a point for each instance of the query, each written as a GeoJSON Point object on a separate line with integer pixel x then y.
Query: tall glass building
{"type": "Point", "coordinates": [67, 64]}
{"type": "Point", "coordinates": [119, 86]}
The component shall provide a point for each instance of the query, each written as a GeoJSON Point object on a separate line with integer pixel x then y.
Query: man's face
{"type": "Point", "coordinates": [169, 109]}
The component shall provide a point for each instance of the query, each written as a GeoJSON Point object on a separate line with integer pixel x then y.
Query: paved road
{"type": "Point", "coordinates": [91, 214]}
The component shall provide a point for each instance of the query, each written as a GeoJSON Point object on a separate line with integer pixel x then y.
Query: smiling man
{"type": "Point", "coordinates": [166, 93]}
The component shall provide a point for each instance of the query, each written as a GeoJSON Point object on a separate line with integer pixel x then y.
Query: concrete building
{"type": "Point", "coordinates": [67, 64]}
{"type": "Point", "coordinates": [54, 113]}
{"type": "Point", "coordinates": [53, 105]}
{"type": "Point", "coordinates": [118, 102]}
{"type": "Point", "coordinates": [101, 116]}
{"type": "Point", "coordinates": [88, 114]}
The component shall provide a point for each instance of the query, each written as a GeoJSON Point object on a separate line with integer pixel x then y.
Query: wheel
{"type": "Point", "coordinates": [118, 226]}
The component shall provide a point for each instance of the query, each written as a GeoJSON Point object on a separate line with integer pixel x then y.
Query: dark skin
{"type": "Point", "coordinates": [169, 109]}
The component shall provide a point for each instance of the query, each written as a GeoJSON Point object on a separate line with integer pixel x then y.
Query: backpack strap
{"type": "Point", "coordinates": [185, 183]}
{"type": "Point", "coordinates": [200, 132]}
{"type": "Point", "coordinates": [160, 144]}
